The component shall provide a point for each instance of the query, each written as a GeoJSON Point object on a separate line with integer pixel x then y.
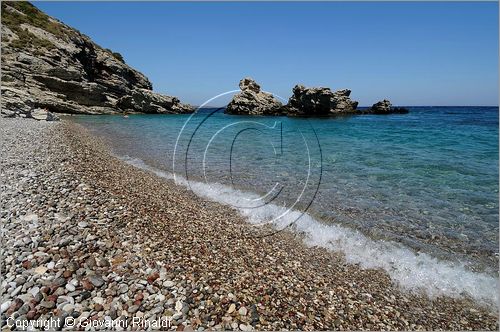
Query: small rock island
{"type": "Point", "coordinates": [252, 101]}
{"type": "Point", "coordinates": [305, 102]}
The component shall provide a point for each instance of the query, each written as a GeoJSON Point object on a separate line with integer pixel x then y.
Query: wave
{"type": "Point", "coordinates": [412, 271]}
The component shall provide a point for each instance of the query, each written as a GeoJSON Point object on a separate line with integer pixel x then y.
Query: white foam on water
{"type": "Point", "coordinates": [410, 270]}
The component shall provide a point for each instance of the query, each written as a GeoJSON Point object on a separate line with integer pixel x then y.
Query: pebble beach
{"type": "Point", "coordinates": [91, 242]}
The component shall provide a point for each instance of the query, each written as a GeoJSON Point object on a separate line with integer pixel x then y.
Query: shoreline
{"type": "Point", "coordinates": [416, 270]}
{"type": "Point", "coordinates": [457, 246]}
{"type": "Point", "coordinates": [130, 244]}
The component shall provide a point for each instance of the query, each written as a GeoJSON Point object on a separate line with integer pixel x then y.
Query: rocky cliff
{"type": "Point", "coordinates": [49, 65]}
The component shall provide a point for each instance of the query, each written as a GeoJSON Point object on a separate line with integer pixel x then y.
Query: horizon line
{"type": "Point", "coordinates": [214, 106]}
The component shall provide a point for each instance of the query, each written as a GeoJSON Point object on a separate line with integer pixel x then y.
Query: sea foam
{"type": "Point", "coordinates": [412, 271]}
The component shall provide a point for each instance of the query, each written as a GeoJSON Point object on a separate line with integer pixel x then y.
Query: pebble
{"type": "Point", "coordinates": [123, 257]}
{"type": "Point", "coordinates": [123, 289]}
{"type": "Point", "coordinates": [98, 300]}
{"type": "Point", "coordinates": [30, 218]}
{"type": "Point", "coordinates": [96, 280]}
{"type": "Point", "coordinates": [243, 311]}
{"type": "Point", "coordinates": [132, 309]}
{"type": "Point", "coordinates": [20, 280]}
{"type": "Point", "coordinates": [16, 291]}
{"type": "Point", "coordinates": [178, 306]}
{"type": "Point", "coordinates": [245, 327]}
{"type": "Point", "coordinates": [31, 314]}
{"type": "Point", "coordinates": [84, 315]}
{"type": "Point", "coordinates": [68, 307]}
{"type": "Point", "coordinates": [58, 282]}
{"type": "Point", "coordinates": [5, 306]}
{"type": "Point", "coordinates": [48, 304]}
{"type": "Point", "coordinates": [34, 290]}
{"type": "Point", "coordinates": [24, 309]}
{"type": "Point", "coordinates": [40, 270]}
{"type": "Point", "coordinates": [87, 285]}
{"type": "Point", "coordinates": [85, 295]}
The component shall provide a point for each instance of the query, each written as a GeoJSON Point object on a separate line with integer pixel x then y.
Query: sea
{"type": "Point", "coordinates": [414, 194]}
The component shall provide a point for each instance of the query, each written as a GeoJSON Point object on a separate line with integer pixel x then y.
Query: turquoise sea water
{"type": "Point", "coordinates": [424, 182]}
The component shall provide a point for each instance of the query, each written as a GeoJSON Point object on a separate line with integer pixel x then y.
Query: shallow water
{"type": "Point", "coordinates": [416, 193]}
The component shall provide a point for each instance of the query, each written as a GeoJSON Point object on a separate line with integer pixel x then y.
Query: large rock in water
{"type": "Point", "coordinates": [320, 102]}
{"type": "Point", "coordinates": [48, 65]}
{"type": "Point", "coordinates": [315, 102]}
{"type": "Point", "coordinates": [252, 101]}
{"type": "Point", "coordinates": [385, 107]}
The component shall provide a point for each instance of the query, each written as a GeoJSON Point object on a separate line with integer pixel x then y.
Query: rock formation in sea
{"type": "Point", "coordinates": [252, 101]}
{"type": "Point", "coordinates": [306, 102]}
{"type": "Point", "coordinates": [50, 66]}
{"type": "Point", "coordinates": [385, 107]}
{"type": "Point", "coordinates": [320, 102]}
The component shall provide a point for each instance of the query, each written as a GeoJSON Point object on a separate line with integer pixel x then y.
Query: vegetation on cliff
{"type": "Point", "coordinates": [47, 64]}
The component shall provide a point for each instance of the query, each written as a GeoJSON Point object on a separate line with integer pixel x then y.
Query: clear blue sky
{"type": "Point", "coordinates": [411, 53]}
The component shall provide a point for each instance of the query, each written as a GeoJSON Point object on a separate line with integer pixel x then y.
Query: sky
{"type": "Point", "coordinates": [428, 53]}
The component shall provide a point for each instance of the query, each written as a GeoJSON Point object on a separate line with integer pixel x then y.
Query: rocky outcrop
{"type": "Point", "coordinates": [320, 102]}
{"type": "Point", "coordinates": [304, 102]}
{"type": "Point", "coordinates": [43, 114]}
{"type": "Point", "coordinates": [385, 107]}
{"type": "Point", "coordinates": [252, 101]}
{"type": "Point", "coordinates": [314, 102]}
{"type": "Point", "coordinates": [48, 65]}
{"type": "Point", "coordinates": [150, 102]}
